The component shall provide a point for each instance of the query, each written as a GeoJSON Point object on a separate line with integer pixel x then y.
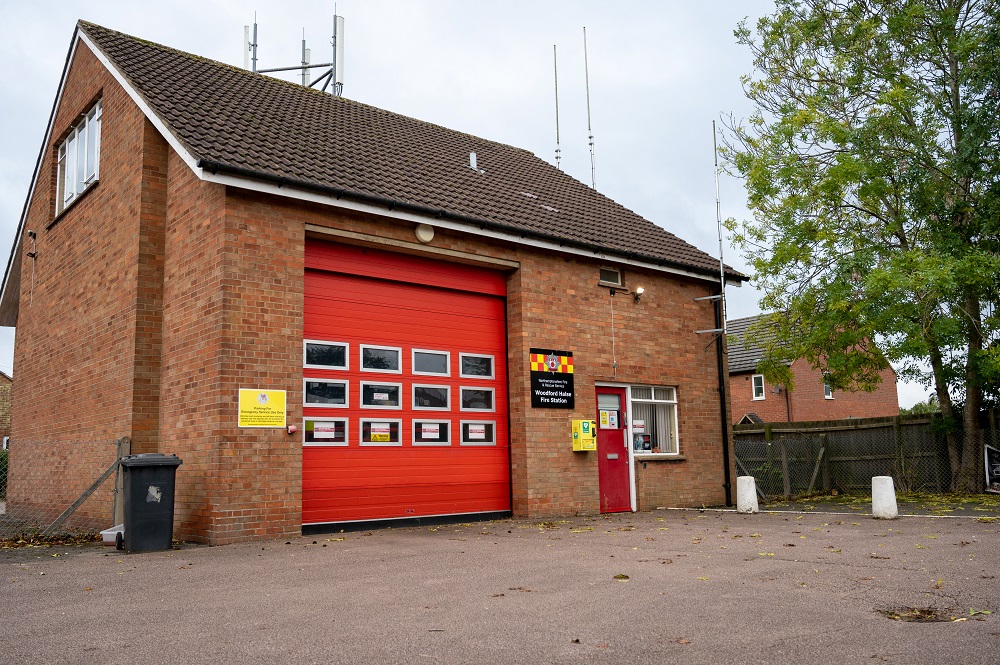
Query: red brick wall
{"type": "Point", "coordinates": [807, 402]}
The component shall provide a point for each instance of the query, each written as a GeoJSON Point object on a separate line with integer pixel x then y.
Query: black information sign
{"type": "Point", "coordinates": [992, 469]}
{"type": "Point", "coordinates": [551, 379]}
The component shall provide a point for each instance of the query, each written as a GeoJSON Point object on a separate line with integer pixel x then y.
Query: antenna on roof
{"type": "Point", "coordinates": [718, 222]}
{"type": "Point", "coordinates": [306, 53]}
{"type": "Point", "coordinates": [555, 69]}
{"type": "Point", "coordinates": [586, 74]}
{"type": "Point", "coordinates": [337, 69]}
{"type": "Point", "coordinates": [250, 46]}
{"type": "Point", "coordinates": [335, 73]}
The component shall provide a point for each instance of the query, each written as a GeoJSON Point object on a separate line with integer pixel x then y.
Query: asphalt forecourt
{"type": "Point", "coordinates": [664, 586]}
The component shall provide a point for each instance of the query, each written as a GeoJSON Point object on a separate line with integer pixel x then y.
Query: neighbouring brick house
{"type": "Point", "coordinates": [201, 235]}
{"type": "Point", "coordinates": [754, 400]}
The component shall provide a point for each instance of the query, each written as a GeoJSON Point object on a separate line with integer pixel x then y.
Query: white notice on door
{"type": "Point", "coordinates": [639, 426]}
{"type": "Point", "coordinates": [430, 430]}
{"type": "Point", "coordinates": [477, 432]}
{"type": "Point", "coordinates": [381, 396]}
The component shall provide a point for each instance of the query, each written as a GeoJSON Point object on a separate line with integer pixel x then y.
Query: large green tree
{"type": "Point", "coordinates": [872, 166]}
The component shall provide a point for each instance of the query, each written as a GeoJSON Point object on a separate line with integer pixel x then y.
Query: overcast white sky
{"type": "Point", "coordinates": [660, 73]}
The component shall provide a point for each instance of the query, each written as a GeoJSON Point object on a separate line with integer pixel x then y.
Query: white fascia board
{"type": "Point", "coordinates": [348, 204]}
{"type": "Point", "coordinates": [172, 140]}
{"type": "Point", "coordinates": [357, 206]}
{"type": "Point", "coordinates": [38, 163]}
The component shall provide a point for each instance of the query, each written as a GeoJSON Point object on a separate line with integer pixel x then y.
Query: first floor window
{"type": "Point", "coordinates": [79, 158]}
{"type": "Point", "coordinates": [654, 420]}
{"type": "Point", "coordinates": [758, 386]}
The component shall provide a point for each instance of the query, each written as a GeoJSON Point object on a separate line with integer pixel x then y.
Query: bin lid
{"type": "Point", "coordinates": [150, 459]}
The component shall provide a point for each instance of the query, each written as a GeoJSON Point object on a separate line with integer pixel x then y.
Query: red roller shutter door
{"type": "Point", "coordinates": [355, 297]}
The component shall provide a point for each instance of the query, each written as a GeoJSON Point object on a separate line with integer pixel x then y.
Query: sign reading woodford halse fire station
{"type": "Point", "coordinates": [261, 408]}
{"type": "Point", "coordinates": [551, 379]}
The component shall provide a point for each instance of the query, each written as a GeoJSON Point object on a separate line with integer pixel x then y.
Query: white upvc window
{"type": "Point", "coordinates": [827, 390]}
{"type": "Point", "coordinates": [654, 420]}
{"type": "Point", "coordinates": [79, 159]}
{"type": "Point", "coordinates": [758, 386]}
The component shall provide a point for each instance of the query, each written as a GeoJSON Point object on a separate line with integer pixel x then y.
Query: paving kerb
{"type": "Point", "coordinates": [702, 587]}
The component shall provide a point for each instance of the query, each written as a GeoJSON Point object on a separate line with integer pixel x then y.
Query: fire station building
{"type": "Point", "coordinates": [333, 313]}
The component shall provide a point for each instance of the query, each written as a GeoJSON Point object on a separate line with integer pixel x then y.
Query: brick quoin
{"type": "Point", "coordinates": [157, 296]}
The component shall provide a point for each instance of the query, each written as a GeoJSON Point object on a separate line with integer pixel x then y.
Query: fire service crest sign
{"type": "Point", "coordinates": [551, 379]}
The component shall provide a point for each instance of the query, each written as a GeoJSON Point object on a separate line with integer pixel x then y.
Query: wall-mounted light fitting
{"type": "Point", "coordinates": [635, 294]}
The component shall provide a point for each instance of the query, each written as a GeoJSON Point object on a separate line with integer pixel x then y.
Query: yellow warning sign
{"type": "Point", "coordinates": [262, 408]}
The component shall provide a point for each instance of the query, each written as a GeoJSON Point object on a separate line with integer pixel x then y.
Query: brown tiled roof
{"type": "Point", "coordinates": [258, 127]}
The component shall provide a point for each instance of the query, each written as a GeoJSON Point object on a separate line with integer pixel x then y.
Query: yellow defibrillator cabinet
{"type": "Point", "coordinates": [584, 435]}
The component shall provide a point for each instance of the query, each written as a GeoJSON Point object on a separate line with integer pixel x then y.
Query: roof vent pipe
{"type": "Point", "coordinates": [472, 161]}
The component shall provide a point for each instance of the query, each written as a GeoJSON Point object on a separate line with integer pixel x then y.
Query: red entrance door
{"type": "Point", "coordinates": [612, 451]}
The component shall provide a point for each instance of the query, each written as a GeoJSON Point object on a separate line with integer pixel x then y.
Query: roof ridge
{"type": "Point", "coordinates": [87, 26]}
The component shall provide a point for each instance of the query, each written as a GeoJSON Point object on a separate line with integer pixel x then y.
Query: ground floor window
{"type": "Point", "coordinates": [654, 420]}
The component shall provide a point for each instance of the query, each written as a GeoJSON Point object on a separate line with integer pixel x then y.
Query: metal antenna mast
{"type": "Point", "coordinates": [586, 74]}
{"type": "Point", "coordinates": [335, 73]}
{"type": "Point", "coordinates": [306, 54]}
{"type": "Point", "coordinates": [555, 69]}
{"type": "Point", "coordinates": [250, 47]}
{"type": "Point", "coordinates": [718, 223]}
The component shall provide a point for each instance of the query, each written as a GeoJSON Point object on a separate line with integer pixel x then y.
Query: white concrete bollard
{"type": "Point", "coordinates": [746, 495]}
{"type": "Point", "coordinates": [884, 498]}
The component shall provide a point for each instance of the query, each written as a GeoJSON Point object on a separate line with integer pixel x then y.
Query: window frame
{"type": "Point", "coordinates": [314, 405]}
{"type": "Point", "coordinates": [327, 444]}
{"type": "Point", "coordinates": [380, 444]}
{"type": "Point", "coordinates": [479, 377]}
{"type": "Point", "coordinates": [441, 444]}
{"type": "Point", "coordinates": [827, 390]}
{"type": "Point", "coordinates": [461, 433]}
{"type": "Point", "coordinates": [753, 388]}
{"type": "Point", "coordinates": [620, 282]}
{"type": "Point", "coordinates": [361, 395]}
{"type": "Point", "coordinates": [413, 397]}
{"type": "Point", "coordinates": [413, 362]}
{"type": "Point", "coordinates": [89, 130]}
{"type": "Point", "coordinates": [347, 355]}
{"type": "Point", "coordinates": [493, 401]}
{"type": "Point", "coordinates": [673, 403]}
{"type": "Point", "coordinates": [361, 358]}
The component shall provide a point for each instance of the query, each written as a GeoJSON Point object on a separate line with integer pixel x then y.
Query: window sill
{"type": "Point", "coordinates": [69, 206]}
{"type": "Point", "coordinates": [658, 457]}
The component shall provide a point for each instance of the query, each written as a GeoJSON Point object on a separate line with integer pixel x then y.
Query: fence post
{"type": "Point", "coordinates": [825, 463]}
{"type": "Point", "coordinates": [897, 433]}
{"type": "Point", "coordinates": [786, 480]}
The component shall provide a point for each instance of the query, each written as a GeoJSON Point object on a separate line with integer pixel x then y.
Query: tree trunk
{"type": "Point", "coordinates": [952, 437]}
{"type": "Point", "coordinates": [970, 477]}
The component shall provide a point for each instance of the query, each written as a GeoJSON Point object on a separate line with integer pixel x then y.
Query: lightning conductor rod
{"type": "Point", "coordinates": [590, 133]}
{"type": "Point", "coordinates": [555, 70]}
